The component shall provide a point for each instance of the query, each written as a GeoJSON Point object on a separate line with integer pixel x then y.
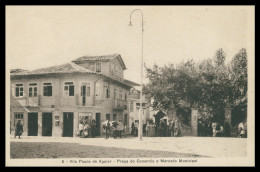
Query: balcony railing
{"type": "Point", "coordinates": [26, 101]}
{"type": "Point", "coordinates": [119, 105]}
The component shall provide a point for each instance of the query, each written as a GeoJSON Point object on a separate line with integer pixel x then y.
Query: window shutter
{"type": "Point", "coordinates": [17, 91]}
{"type": "Point", "coordinates": [35, 92]}
{"type": "Point", "coordinates": [81, 91]}
{"type": "Point", "coordinates": [49, 90]}
{"type": "Point", "coordinates": [45, 91]}
{"type": "Point", "coordinates": [13, 90]}
{"type": "Point", "coordinates": [71, 90]}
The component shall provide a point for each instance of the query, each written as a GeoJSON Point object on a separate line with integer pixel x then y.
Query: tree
{"type": "Point", "coordinates": [209, 83]}
{"type": "Point", "coordinates": [238, 77]}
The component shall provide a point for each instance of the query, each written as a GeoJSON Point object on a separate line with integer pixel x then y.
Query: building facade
{"type": "Point", "coordinates": [134, 107]}
{"type": "Point", "coordinates": [51, 101]}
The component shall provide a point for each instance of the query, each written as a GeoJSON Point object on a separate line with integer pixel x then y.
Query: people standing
{"type": "Point", "coordinates": [214, 125]}
{"type": "Point", "coordinates": [107, 126]}
{"type": "Point", "coordinates": [93, 128]}
{"type": "Point", "coordinates": [86, 129]}
{"type": "Point", "coordinates": [162, 128]}
{"type": "Point", "coordinates": [209, 129]}
{"type": "Point", "coordinates": [148, 129]}
{"type": "Point", "coordinates": [219, 130]}
{"type": "Point", "coordinates": [245, 129]}
{"type": "Point", "coordinates": [241, 130]}
{"type": "Point", "coordinates": [80, 129]}
{"type": "Point", "coordinates": [18, 129]}
{"type": "Point", "coordinates": [200, 128]}
{"type": "Point", "coordinates": [120, 128]}
{"type": "Point", "coordinates": [176, 128]}
{"type": "Point", "coordinates": [133, 129]}
{"type": "Point", "coordinates": [136, 128]}
{"type": "Point", "coordinates": [172, 128]}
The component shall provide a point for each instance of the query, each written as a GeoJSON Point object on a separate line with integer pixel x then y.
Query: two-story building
{"type": "Point", "coordinates": [51, 101]}
{"type": "Point", "coordinates": [134, 106]}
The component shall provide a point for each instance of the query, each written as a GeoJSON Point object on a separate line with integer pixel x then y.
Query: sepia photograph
{"type": "Point", "coordinates": [130, 85]}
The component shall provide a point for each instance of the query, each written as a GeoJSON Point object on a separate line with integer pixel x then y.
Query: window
{"type": "Point", "coordinates": [33, 90]}
{"type": "Point", "coordinates": [98, 93]}
{"type": "Point", "coordinates": [108, 117]}
{"type": "Point", "coordinates": [131, 106]}
{"type": "Point", "coordinates": [107, 93]}
{"type": "Point", "coordinates": [19, 90]}
{"type": "Point", "coordinates": [84, 92]}
{"type": "Point", "coordinates": [18, 115]}
{"type": "Point", "coordinates": [125, 120]}
{"type": "Point", "coordinates": [98, 67]}
{"type": "Point", "coordinates": [114, 117]}
{"type": "Point", "coordinates": [88, 91]}
{"type": "Point", "coordinates": [125, 96]}
{"type": "Point", "coordinates": [85, 89]}
{"type": "Point", "coordinates": [68, 89]}
{"type": "Point", "coordinates": [47, 89]}
{"type": "Point", "coordinates": [114, 93]}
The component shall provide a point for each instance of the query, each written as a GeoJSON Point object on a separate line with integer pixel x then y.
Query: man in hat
{"type": "Point", "coordinates": [18, 129]}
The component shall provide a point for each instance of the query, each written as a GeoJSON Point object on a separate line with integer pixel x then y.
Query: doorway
{"type": "Point", "coordinates": [98, 124]}
{"type": "Point", "coordinates": [46, 124]}
{"type": "Point", "coordinates": [32, 124]}
{"type": "Point", "coordinates": [125, 120]}
{"type": "Point", "coordinates": [67, 124]}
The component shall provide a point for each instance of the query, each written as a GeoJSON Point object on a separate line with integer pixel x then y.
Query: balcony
{"type": "Point", "coordinates": [119, 105]}
{"type": "Point", "coordinates": [26, 101]}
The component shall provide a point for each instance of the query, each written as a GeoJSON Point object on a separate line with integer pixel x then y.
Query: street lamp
{"type": "Point", "coordinates": [140, 114]}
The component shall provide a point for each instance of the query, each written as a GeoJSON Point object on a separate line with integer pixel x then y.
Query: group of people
{"type": "Point", "coordinates": [172, 129]}
{"type": "Point", "coordinates": [134, 128]}
{"type": "Point", "coordinates": [207, 128]}
{"type": "Point", "coordinates": [86, 130]}
{"type": "Point", "coordinates": [113, 129]}
{"type": "Point", "coordinates": [242, 129]}
{"type": "Point", "coordinates": [161, 129]}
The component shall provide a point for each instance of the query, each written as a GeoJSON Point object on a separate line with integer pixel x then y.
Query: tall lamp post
{"type": "Point", "coordinates": [140, 131]}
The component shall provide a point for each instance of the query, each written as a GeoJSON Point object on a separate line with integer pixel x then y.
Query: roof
{"type": "Point", "coordinates": [131, 83]}
{"type": "Point", "coordinates": [64, 68]}
{"type": "Point", "coordinates": [17, 70]}
{"type": "Point", "coordinates": [101, 58]}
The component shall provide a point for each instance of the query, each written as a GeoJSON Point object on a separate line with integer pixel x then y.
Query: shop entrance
{"type": "Point", "coordinates": [98, 124]}
{"type": "Point", "coordinates": [32, 124]}
{"type": "Point", "coordinates": [67, 124]}
{"type": "Point", "coordinates": [46, 124]}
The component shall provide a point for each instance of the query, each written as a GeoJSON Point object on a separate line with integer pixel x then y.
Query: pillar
{"type": "Point", "coordinates": [76, 123]}
{"type": "Point", "coordinates": [25, 124]}
{"type": "Point", "coordinates": [228, 113]}
{"type": "Point", "coordinates": [194, 119]}
{"type": "Point", "coordinates": [39, 123]}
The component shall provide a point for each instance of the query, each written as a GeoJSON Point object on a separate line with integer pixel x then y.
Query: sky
{"type": "Point", "coordinates": [44, 36]}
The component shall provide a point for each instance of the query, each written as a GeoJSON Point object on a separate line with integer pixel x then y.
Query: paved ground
{"type": "Point", "coordinates": [129, 147]}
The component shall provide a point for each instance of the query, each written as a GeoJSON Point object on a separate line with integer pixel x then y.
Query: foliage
{"type": "Point", "coordinates": [210, 83]}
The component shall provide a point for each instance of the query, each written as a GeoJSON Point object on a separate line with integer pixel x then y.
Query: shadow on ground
{"type": "Point", "coordinates": [24, 150]}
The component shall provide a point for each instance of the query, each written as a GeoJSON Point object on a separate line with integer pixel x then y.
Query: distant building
{"type": "Point", "coordinates": [51, 101]}
{"type": "Point", "coordinates": [134, 107]}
